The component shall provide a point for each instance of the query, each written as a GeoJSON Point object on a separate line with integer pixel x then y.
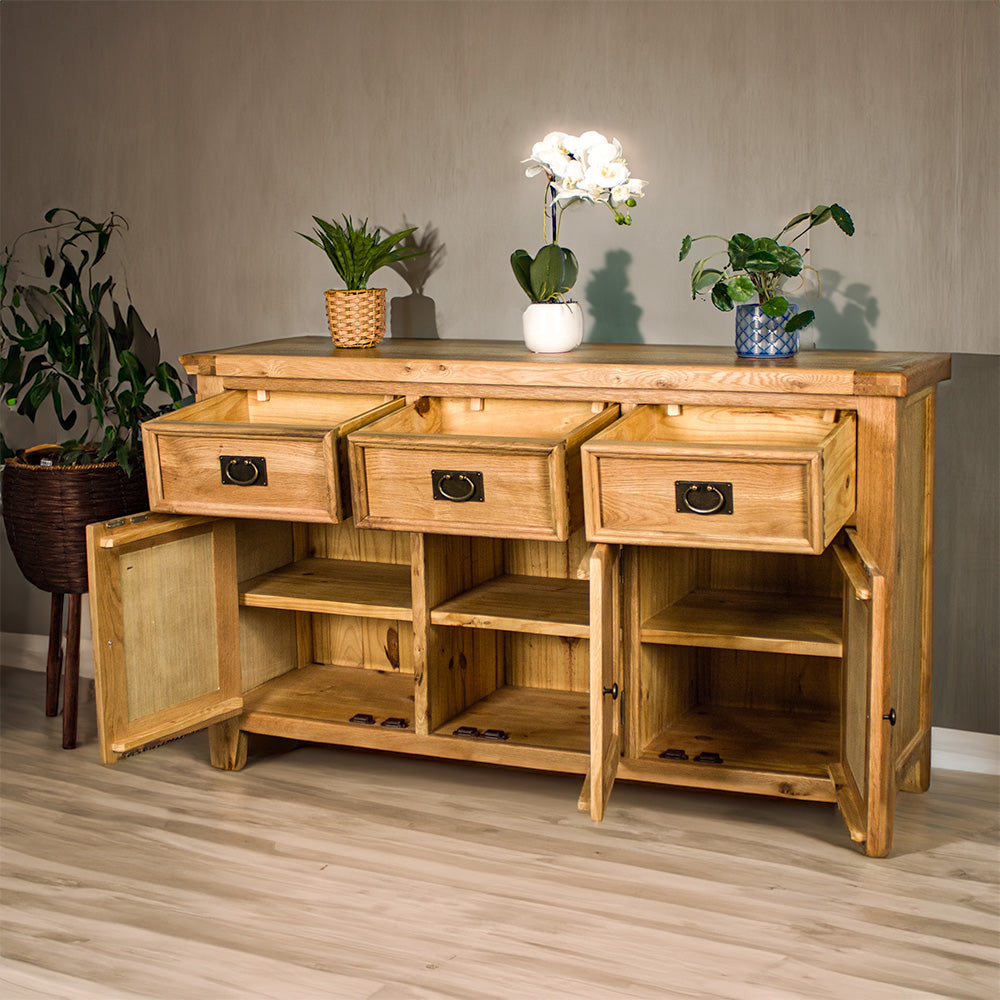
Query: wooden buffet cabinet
{"type": "Point", "coordinates": [652, 563]}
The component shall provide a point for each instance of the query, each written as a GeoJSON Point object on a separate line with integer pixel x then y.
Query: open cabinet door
{"type": "Point", "coordinates": [865, 785]}
{"type": "Point", "coordinates": [164, 618]}
{"type": "Point", "coordinates": [605, 677]}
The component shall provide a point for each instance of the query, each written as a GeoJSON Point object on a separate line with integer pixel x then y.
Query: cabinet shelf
{"type": "Point", "coordinates": [330, 694]}
{"type": "Point", "coordinates": [735, 619]}
{"type": "Point", "coordinates": [334, 586]}
{"type": "Point", "coordinates": [539, 605]}
{"type": "Point", "coordinates": [541, 718]}
{"type": "Point", "coordinates": [800, 743]}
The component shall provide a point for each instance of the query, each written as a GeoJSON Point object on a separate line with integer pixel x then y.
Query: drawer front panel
{"type": "Point", "coordinates": [289, 478]}
{"type": "Point", "coordinates": [508, 493]}
{"type": "Point", "coordinates": [715, 477]}
{"type": "Point", "coordinates": [771, 503]}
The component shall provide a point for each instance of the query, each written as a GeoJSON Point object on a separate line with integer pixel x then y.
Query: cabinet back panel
{"type": "Point", "coordinates": [369, 643]}
{"type": "Point", "coordinates": [344, 541]}
{"type": "Point", "coordinates": [744, 679]}
{"type": "Point", "coordinates": [546, 661]}
{"type": "Point", "coordinates": [773, 572]}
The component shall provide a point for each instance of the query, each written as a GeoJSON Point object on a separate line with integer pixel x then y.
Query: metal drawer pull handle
{"type": "Point", "coordinates": [243, 470]}
{"type": "Point", "coordinates": [455, 486]}
{"type": "Point", "coordinates": [703, 498]}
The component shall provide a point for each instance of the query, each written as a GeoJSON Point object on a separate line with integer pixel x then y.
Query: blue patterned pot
{"type": "Point", "coordinates": [760, 336]}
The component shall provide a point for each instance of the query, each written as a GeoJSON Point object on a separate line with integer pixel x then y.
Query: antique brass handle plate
{"type": "Point", "coordinates": [703, 498]}
{"type": "Point", "coordinates": [457, 486]}
{"type": "Point", "coordinates": [243, 470]}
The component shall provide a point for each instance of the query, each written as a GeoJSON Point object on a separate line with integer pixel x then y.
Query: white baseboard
{"type": "Point", "coordinates": [951, 749]}
{"type": "Point", "coordinates": [29, 652]}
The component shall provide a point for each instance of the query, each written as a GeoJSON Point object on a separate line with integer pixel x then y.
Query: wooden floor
{"type": "Point", "coordinates": [321, 874]}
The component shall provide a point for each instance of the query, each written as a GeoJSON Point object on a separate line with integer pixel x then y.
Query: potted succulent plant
{"type": "Point", "coordinates": [356, 313]}
{"type": "Point", "coordinates": [585, 168]}
{"type": "Point", "coordinates": [759, 267]}
{"type": "Point", "coordinates": [67, 344]}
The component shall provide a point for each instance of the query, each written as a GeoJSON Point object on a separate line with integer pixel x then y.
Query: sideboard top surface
{"type": "Point", "coordinates": [615, 368]}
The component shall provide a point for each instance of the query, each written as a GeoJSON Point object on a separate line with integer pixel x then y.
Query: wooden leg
{"type": "Point", "coordinates": [53, 665]}
{"type": "Point", "coordinates": [227, 745]}
{"type": "Point", "coordinates": [72, 672]}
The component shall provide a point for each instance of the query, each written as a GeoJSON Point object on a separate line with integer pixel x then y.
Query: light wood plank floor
{"type": "Point", "coordinates": [322, 874]}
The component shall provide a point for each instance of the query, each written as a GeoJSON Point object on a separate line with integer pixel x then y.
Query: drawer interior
{"type": "Point", "coordinates": [533, 419]}
{"type": "Point", "coordinates": [724, 426]}
{"type": "Point", "coordinates": [285, 409]}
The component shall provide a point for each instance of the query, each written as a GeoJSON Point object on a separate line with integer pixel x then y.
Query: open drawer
{"type": "Point", "coordinates": [500, 467]}
{"type": "Point", "coordinates": [257, 453]}
{"type": "Point", "coordinates": [718, 477]}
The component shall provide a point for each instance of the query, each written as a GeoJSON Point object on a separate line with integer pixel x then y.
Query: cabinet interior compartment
{"type": "Point", "coordinates": [507, 648]}
{"type": "Point", "coordinates": [326, 631]}
{"type": "Point", "coordinates": [738, 655]}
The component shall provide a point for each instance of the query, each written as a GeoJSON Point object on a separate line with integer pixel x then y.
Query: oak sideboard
{"type": "Point", "coordinates": [629, 562]}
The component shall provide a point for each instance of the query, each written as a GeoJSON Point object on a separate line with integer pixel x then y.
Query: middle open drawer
{"type": "Point", "coordinates": [258, 453]}
{"type": "Point", "coordinates": [506, 468]}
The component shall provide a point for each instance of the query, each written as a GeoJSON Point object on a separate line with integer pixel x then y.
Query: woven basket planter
{"type": "Point", "coordinates": [357, 318]}
{"type": "Point", "coordinates": [46, 510]}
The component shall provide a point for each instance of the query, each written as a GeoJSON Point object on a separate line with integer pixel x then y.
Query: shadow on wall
{"type": "Point", "coordinates": [414, 316]}
{"type": "Point", "coordinates": [615, 311]}
{"type": "Point", "coordinates": [845, 315]}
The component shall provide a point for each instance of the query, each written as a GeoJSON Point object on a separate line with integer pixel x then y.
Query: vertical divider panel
{"type": "Point", "coordinates": [453, 667]}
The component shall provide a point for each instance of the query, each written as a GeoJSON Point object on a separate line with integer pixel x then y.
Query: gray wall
{"type": "Point", "coordinates": [219, 129]}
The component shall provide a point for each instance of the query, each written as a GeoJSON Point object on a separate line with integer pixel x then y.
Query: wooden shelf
{"type": "Point", "coordinates": [334, 586]}
{"type": "Point", "coordinates": [793, 743]}
{"type": "Point", "coordinates": [736, 619]}
{"type": "Point", "coordinates": [331, 694]}
{"type": "Point", "coordinates": [531, 717]}
{"type": "Point", "coordinates": [540, 605]}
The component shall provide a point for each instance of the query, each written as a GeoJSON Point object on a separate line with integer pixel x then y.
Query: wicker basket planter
{"type": "Point", "coordinates": [357, 318]}
{"type": "Point", "coordinates": [47, 508]}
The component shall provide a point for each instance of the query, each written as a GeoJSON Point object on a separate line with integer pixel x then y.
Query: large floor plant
{"type": "Point", "coordinates": [68, 343]}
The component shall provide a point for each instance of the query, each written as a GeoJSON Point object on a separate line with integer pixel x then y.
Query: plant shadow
{"type": "Point", "coordinates": [846, 315]}
{"type": "Point", "coordinates": [613, 307]}
{"type": "Point", "coordinates": [414, 316]}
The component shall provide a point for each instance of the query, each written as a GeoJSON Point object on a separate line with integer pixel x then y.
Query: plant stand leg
{"type": "Point", "coordinates": [53, 665]}
{"type": "Point", "coordinates": [72, 672]}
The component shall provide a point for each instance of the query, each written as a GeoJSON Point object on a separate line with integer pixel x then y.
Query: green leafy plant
{"type": "Point", "coordinates": [548, 276]}
{"type": "Point", "coordinates": [66, 341]}
{"type": "Point", "coordinates": [355, 253]}
{"type": "Point", "coordinates": [759, 266]}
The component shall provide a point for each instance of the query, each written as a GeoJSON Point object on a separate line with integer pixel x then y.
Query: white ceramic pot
{"type": "Point", "coordinates": [553, 327]}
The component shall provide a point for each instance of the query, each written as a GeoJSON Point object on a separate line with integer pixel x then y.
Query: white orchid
{"type": "Point", "coordinates": [587, 168]}
{"type": "Point", "coordinates": [577, 168]}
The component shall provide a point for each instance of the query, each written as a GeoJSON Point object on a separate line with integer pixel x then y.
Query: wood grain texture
{"type": "Point", "coordinates": [343, 875]}
{"type": "Point", "coordinates": [491, 362]}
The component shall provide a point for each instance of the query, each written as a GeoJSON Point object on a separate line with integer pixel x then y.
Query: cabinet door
{"type": "Point", "coordinates": [605, 675]}
{"type": "Point", "coordinates": [865, 787]}
{"type": "Point", "coordinates": [164, 618]}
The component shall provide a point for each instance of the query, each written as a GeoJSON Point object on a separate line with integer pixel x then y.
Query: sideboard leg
{"type": "Point", "coordinates": [227, 745]}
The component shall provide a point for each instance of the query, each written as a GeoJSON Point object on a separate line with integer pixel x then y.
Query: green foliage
{"type": "Point", "coordinates": [548, 276]}
{"type": "Point", "coordinates": [759, 266]}
{"type": "Point", "coordinates": [357, 254]}
{"type": "Point", "coordinates": [67, 342]}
